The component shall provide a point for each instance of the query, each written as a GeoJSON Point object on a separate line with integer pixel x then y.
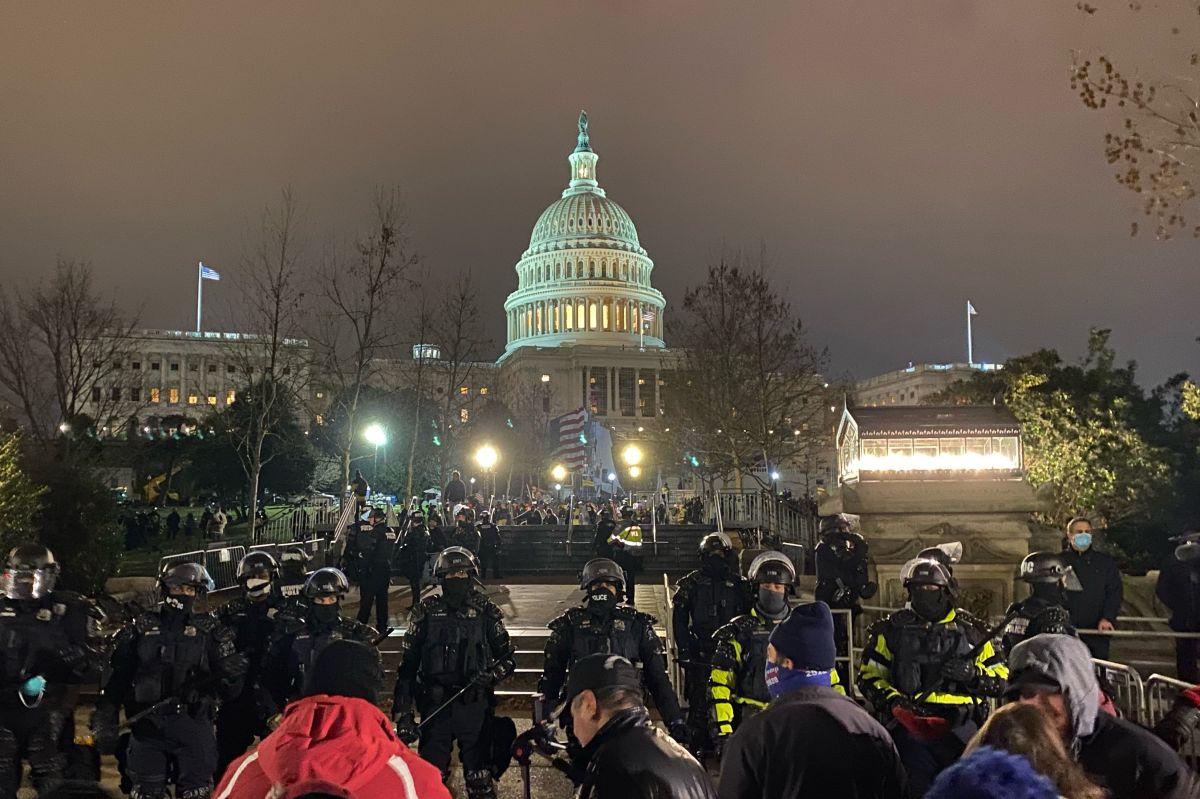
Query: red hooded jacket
{"type": "Point", "coordinates": [332, 744]}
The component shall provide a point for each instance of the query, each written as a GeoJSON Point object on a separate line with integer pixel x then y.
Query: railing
{"type": "Point", "coordinates": [221, 564]}
{"type": "Point", "coordinates": [296, 525]}
{"type": "Point", "coordinates": [317, 549]}
{"type": "Point", "coordinates": [1126, 688]}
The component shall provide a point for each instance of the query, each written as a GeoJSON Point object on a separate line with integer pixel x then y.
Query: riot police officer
{"type": "Point", "coordinates": [372, 556]}
{"type": "Point", "coordinates": [174, 663]}
{"type": "Point", "coordinates": [1044, 610]}
{"type": "Point", "coordinates": [601, 546]}
{"type": "Point", "coordinates": [842, 578]}
{"type": "Point", "coordinates": [299, 637]}
{"type": "Point", "coordinates": [465, 535]}
{"type": "Point", "coordinates": [927, 673]}
{"type": "Point", "coordinates": [1178, 588]}
{"type": "Point", "coordinates": [737, 685]}
{"type": "Point", "coordinates": [490, 544]}
{"type": "Point", "coordinates": [457, 651]}
{"type": "Point", "coordinates": [252, 618]}
{"type": "Point", "coordinates": [626, 543]}
{"type": "Point", "coordinates": [412, 556]}
{"type": "Point", "coordinates": [706, 600]}
{"type": "Point", "coordinates": [46, 637]}
{"type": "Point", "coordinates": [293, 571]}
{"type": "Point", "coordinates": [602, 624]}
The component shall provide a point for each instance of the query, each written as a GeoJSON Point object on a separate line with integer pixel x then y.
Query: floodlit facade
{"type": "Point", "coordinates": [915, 383]}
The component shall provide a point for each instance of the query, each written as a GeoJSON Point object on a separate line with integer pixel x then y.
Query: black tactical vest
{"type": "Point", "coordinates": [167, 658]}
{"type": "Point", "coordinates": [456, 647]}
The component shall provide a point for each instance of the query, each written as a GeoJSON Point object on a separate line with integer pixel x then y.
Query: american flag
{"type": "Point", "coordinates": [566, 432]}
{"type": "Point", "coordinates": [208, 273]}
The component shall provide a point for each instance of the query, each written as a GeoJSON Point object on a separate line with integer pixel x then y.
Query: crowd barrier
{"type": "Point", "coordinates": [221, 564]}
{"type": "Point", "coordinates": [317, 549]}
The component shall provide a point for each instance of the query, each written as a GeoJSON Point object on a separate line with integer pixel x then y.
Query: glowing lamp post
{"type": "Point", "coordinates": [487, 456]}
{"type": "Point", "coordinates": [376, 436]}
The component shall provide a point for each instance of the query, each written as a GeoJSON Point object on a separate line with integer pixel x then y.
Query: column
{"type": "Point", "coordinates": [637, 393]}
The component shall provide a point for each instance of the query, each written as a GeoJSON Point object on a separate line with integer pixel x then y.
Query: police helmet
{"type": "Point", "coordinates": [1051, 568]}
{"type": "Point", "coordinates": [715, 544]}
{"type": "Point", "coordinates": [772, 567]}
{"type": "Point", "coordinates": [31, 573]}
{"type": "Point", "coordinates": [836, 523]}
{"type": "Point", "coordinates": [922, 571]}
{"type": "Point", "coordinates": [485, 516]}
{"type": "Point", "coordinates": [327, 581]}
{"type": "Point", "coordinates": [453, 559]}
{"type": "Point", "coordinates": [946, 554]}
{"type": "Point", "coordinates": [293, 556]}
{"type": "Point", "coordinates": [256, 563]}
{"type": "Point", "coordinates": [626, 512]}
{"type": "Point", "coordinates": [1188, 550]}
{"type": "Point", "coordinates": [186, 574]}
{"type": "Point", "coordinates": [602, 570]}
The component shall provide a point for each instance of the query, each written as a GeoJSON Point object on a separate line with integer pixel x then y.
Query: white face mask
{"type": "Point", "coordinates": [256, 586]}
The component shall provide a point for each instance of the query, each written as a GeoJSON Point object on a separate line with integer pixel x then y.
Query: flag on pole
{"type": "Point", "coordinates": [208, 273]}
{"type": "Point", "coordinates": [566, 434]}
{"type": "Point", "coordinates": [647, 316]}
{"type": "Point", "coordinates": [971, 309]}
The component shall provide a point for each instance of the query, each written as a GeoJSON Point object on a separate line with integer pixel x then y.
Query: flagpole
{"type": "Point", "coordinates": [199, 292]}
{"type": "Point", "coordinates": [970, 343]}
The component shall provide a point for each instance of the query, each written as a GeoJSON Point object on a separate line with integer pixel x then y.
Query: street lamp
{"type": "Point", "coordinates": [376, 435]}
{"type": "Point", "coordinates": [632, 455]}
{"type": "Point", "coordinates": [559, 472]}
{"type": "Point", "coordinates": [635, 472]}
{"type": "Point", "coordinates": [486, 456]}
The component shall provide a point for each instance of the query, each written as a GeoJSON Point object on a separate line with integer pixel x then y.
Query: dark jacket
{"type": "Point", "coordinates": [1179, 589]}
{"type": "Point", "coordinates": [631, 758]}
{"type": "Point", "coordinates": [1101, 594]}
{"type": "Point", "coordinates": [456, 491]}
{"type": "Point", "coordinates": [1127, 760]}
{"type": "Point", "coordinates": [842, 576]}
{"type": "Point", "coordinates": [812, 742]}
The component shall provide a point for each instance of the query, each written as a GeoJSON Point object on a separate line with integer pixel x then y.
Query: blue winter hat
{"type": "Point", "coordinates": [989, 773]}
{"type": "Point", "coordinates": [806, 637]}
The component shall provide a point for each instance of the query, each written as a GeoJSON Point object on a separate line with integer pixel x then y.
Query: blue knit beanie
{"type": "Point", "coordinates": [989, 773]}
{"type": "Point", "coordinates": [806, 636]}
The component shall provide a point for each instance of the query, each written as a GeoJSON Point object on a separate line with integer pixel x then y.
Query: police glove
{"type": "Point", "coordinates": [680, 732]}
{"type": "Point", "coordinates": [869, 590]}
{"type": "Point", "coordinates": [235, 665]}
{"type": "Point", "coordinates": [406, 728]}
{"type": "Point", "coordinates": [105, 728]}
{"type": "Point", "coordinates": [960, 670]}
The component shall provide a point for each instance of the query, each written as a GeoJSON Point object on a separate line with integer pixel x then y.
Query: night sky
{"type": "Point", "coordinates": [895, 158]}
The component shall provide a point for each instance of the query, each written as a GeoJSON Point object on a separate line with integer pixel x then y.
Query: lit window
{"type": "Point", "coordinates": [173, 396]}
{"type": "Point", "coordinates": [320, 395]}
{"type": "Point", "coordinates": [464, 415]}
{"type": "Point", "coordinates": [545, 378]}
{"type": "Point", "coordinates": [483, 390]}
{"type": "Point", "coordinates": [464, 390]}
{"type": "Point", "coordinates": [320, 419]}
{"type": "Point", "coordinates": [155, 395]}
{"type": "Point", "coordinates": [212, 398]}
{"type": "Point", "coordinates": [193, 398]}
{"type": "Point", "coordinates": [230, 396]}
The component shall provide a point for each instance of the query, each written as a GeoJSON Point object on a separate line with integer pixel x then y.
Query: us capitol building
{"type": "Point", "coordinates": [584, 329]}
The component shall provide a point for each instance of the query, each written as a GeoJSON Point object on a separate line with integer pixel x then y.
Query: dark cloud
{"type": "Point", "coordinates": [895, 159]}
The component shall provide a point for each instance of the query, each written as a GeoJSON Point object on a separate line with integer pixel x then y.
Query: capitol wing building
{"type": "Point", "coordinates": [585, 325]}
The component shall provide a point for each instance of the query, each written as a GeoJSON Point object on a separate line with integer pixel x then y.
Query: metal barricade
{"type": "Point", "coordinates": [1128, 690]}
{"type": "Point", "coordinates": [674, 670]}
{"type": "Point", "coordinates": [221, 564]}
{"type": "Point", "coordinates": [1161, 692]}
{"type": "Point", "coordinates": [850, 659]}
{"type": "Point", "coordinates": [315, 547]}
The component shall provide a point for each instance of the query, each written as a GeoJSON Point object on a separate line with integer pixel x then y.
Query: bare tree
{"type": "Point", "coordinates": [357, 330]}
{"type": "Point", "coordinates": [420, 323]}
{"type": "Point", "coordinates": [748, 395]}
{"type": "Point", "coordinates": [458, 334]}
{"type": "Point", "coordinates": [63, 350]}
{"type": "Point", "coordinates": [272, 358]}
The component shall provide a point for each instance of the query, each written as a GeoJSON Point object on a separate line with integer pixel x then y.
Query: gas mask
{"type": "Point", "coordinates": [931, 605]}
{"type": "Point", "coordinates": [772, 603]}
{"type": "Point", "coordinates": [455, 590]}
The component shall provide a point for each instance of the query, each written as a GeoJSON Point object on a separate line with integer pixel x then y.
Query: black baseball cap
{"type": "Point", "coordinates": [1027, 682]}
{"type": "Point", "coordinates": [600, 671]}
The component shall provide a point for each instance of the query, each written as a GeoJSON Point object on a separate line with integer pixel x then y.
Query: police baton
{"type": "Point", "coordinates": [174, 699]}
{"type": "Point", "coordinates": [971, 654]}
{"type": "Point", "coordinates": [472, 684]}
{"type": "Point", "coordinates": [383, 636]}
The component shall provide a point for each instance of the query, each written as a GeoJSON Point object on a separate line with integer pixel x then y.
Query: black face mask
{"type": "Point", "coordinates": [1048, 592]}
{"type": "Point", "coordinates": [455, 590]}
{"type": "Point", "coordinates": [716, 565]}
{"type": "Point", "coordinates": [177, 607]}
{"type": "Point", "coordinates": [931, 605]}
{"type": "Point", "coordinates": [771, 602]}
{"type": "Point", "coordinates": [325, 614]}
{"type": "Point", "coordinates": [601, 601]}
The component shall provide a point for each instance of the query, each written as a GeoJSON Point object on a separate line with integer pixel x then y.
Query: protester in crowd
{"type": "Point", "coordinates": [1054, 673]}
{"type": "Point", "coordinates": [624, 753]}
{"type": "Point", "coordinates": [455, 492]}
{"type": "Point", "coordinates": [1022, 729]}
{"type": "Point", "coordinates": [335, 741]}
{"type": "Point", "coordinates": [189, 525]}
{"type": "Point", "coordinates": [811, 740]}
{"type": "Point", "coordinates": [992, 774]}
{"type": "Point", "coordinates": [361, 490]}
{"type": "Point", "coordinates": [1179, 589]}
{"type": "Point", "coordinates": [173, 524]}
{"type": "Point", "coordinates": [1099, 603]}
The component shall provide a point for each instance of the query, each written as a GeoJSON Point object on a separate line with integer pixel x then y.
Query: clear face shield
{"type": "Point", "coordinates": [27, 583]}
{"type": "Point", "coordinates": [1071, 580]}
{"type": "Point", "coordinates": [1188, 553]}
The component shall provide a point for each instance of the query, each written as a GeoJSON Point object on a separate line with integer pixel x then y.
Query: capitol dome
{"type": "Point", "coordinates": [585, 278]}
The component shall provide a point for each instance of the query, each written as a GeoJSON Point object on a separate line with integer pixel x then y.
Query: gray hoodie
{"type": "Point", "coordinates": [1068, 662]}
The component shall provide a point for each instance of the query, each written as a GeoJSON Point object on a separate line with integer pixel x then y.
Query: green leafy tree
{"type": "Point", "coordinates": [20, 498]}
{"type": "Point", "coordinates": [1092, 437]}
